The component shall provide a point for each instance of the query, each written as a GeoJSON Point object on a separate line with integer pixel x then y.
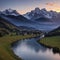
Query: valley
{"type": "Point", "coordinates": [25, 33]}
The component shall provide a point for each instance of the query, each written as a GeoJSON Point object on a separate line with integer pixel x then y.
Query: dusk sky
{"type": "Point", "coordinates": [23, 6]}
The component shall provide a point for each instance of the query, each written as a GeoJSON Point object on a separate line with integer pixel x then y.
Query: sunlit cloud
{"type": "Point", "coordinates": [53, 6]}
{"type": "Point", "coordinates": [50, 4]}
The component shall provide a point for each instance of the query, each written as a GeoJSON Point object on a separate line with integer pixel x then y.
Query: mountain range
{"type": "Point", "coordinates": [37, 13]}
{"type": "Point", "coordinates": [10, 12]}
{"type": "Point", "coordinates": [36, 19]}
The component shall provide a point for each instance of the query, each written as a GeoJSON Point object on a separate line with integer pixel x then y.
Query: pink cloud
{"type": "Point", "coordinates": [50, 4]}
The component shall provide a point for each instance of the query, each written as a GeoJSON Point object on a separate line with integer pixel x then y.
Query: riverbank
{"type": "Point", "coordinates": [5, 46]}
{"type": "Point", "coordinates": [53, 41]}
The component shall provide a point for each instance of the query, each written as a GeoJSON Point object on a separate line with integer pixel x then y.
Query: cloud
{"type": "Point", "coordinates": [50, 4]}
{"type": "Point", "coordinates": [53, 6]}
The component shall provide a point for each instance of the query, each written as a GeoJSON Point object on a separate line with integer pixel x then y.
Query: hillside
{"type": "Point", "coordinates": [7, 28]}
{"type": "Point", "coordinates": [54, 32]}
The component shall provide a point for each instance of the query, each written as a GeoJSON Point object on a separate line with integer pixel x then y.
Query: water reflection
{"type": "Point", "coordinates": [29, 49]}
{"type": "Point", "coordinates": [56, 50]}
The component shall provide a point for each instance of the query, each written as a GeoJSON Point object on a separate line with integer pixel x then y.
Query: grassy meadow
{"type": "Point", "coordinates": [53, 41]}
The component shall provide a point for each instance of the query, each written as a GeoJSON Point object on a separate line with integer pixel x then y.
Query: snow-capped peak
{"type": "Point", "coordinates": [37, 10]}
{"type": "Point", "coordinates": [10, 12]}
{"type": "Point", "coordinates": [37, 13]}
{"type": "Point", "coordinates": [43, 9]}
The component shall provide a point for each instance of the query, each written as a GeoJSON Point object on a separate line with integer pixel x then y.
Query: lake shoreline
{"type": "Point", "coordinates": [42, 42]}
{"type": "Point", "coordinates": [5, 46]}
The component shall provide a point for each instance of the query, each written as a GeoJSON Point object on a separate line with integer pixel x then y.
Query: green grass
{"type": "Point", "coordinates": [5, 46]}
{"type": "Point", "coordinates": [53, 41]}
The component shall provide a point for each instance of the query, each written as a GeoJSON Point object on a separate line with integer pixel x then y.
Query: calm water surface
{"type": "Point", "coordinates": [29, 49]}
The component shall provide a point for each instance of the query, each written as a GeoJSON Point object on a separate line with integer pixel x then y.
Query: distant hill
{"type": "Point", "coordinates": [55, 32]}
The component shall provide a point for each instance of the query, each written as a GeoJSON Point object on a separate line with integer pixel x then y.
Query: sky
{"type": "Point", "coordinates": [23, 6]}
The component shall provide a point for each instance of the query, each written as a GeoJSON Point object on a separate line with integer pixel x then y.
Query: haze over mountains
{"type": "Point", "coordinates": [37, 19]}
